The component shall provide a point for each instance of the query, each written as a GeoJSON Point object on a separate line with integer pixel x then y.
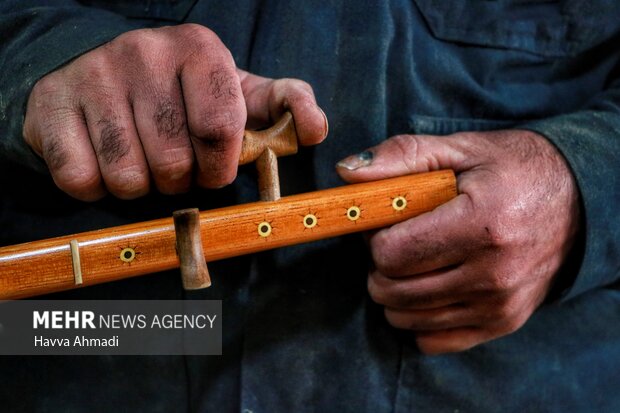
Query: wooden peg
{"type": "Point", "coordinates": [265, 147]}
{"type": "Point", "coordinates": [194, 271]}
{"type": "Point", "coordinates": [268, 180]}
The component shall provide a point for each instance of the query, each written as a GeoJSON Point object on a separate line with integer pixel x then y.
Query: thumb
{"type": "Point", "coordinates": [267, 99]}
{"type": "Point", "coordinates": [402, 155]}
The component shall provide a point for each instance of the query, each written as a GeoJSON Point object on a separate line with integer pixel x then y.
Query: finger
{"type": "Point", "coordinates": [443, 237]}
{"type": "Point", "coordinates": [448, 317]}
{"type": "Point", "coordinates": [422, 292]}
{"type": "Point", "coordinates": [160, 121]}
{"type": "Point", "coordinates": [216, 113]}
{"type": "Point", "coordinates": [57, 132]}
{"type": "Point", "coordinates": [405, 154]}
{"type": "Point", "coordinates": [267, 99]}
{"type": "Point", "coordinates": [115, 140]}
{"type": "Point", "coordinates": [451, 340]}
{"type": "Point", "coordinates": [481, 321]}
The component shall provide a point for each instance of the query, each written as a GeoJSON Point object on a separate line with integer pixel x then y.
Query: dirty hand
{"type": "Point", "coordinates": [161, 105]}
{"type": "Point", "coordinates": [477, 267]}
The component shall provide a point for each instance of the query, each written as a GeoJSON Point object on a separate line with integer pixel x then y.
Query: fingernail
{"type": "Point", "coordinates": [356, 161]}
{"type": "Point", "coordinates": [326, 122]}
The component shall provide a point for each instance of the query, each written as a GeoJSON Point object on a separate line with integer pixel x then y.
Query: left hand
{"type": "Point", "coordinates": [477, 267]}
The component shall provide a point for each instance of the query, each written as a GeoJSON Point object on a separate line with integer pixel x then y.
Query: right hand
{"type": "Point", "coordinates": [162, 103]}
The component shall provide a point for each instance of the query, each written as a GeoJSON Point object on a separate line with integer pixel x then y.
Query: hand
{"type": "Point", "coordinates": [156, 103]}
{"type": "Point", "coordinates": [477, 267]}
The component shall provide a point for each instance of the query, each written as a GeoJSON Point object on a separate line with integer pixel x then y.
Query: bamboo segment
{"type": "Point", "coordinates": [110, 254]}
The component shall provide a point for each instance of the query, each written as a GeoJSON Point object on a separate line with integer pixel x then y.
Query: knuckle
{"type": "Point", "coordinates": [301, 85]}
{"type": "Point", "coordinates": [502, 313]}
{"type": "Point", "coordinates": [292, 92]}
{"type": "Point", "coordinates": [376, 291]}
{"type": "Point", "coordinates": [495, 283]}
{"type": "Point", "coordinates": [509, 316]}
{"type": "Point", "coordinates": [172, 169]}
{"type": "Point", "coordinates": [505, 228]}
{"type": "Point", "coordinates": [382, 250]}
{"type": "Point", "coordinates": [396, 320]}
{"type": "Point", "coordinates": [199, 47]}
{"type": "Point", "coordinates": [407, 149]}
{"type": "Point", "coordinates": [196, 39]}
{"type": "Point", "coordinates": [194, 31]}
{"type": "Point", "coordinates": [94, 68]}
{"type": "Point", "coordinates": [384, 291]}
{"type": "Point", "coordinates": [144, 46]}
{"type": "Point", "coordinates": [49, 97]}
{"type": "Point", "coordinates": [292, 83]}
{"type": "Point", "coordinates": [77, 178]}
{"type": "Point", "coordinates": [132, 40]}
{"type": "Point", "coordinates": [128, 182]}
{"type": "Point", "coordinates": [496, 235]}
{"type": "Point", "coordinates": [503, 278]}
{"type": "Point", "coordinates": [218, 130]}
{"type": "Point", "coordinates": [46, 86]}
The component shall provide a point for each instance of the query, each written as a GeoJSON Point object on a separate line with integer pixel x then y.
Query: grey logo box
{"type": "Point", "coordinates": [111, 327]}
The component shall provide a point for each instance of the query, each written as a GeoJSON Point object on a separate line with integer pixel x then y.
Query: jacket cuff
{"type": "Point", "coordinates": [590, 142]}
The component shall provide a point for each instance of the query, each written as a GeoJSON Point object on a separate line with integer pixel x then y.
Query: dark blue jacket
{"type": "Point", "coordinates": [300, 331]}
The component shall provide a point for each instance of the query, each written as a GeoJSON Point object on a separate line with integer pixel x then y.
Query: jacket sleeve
{"type": "Point", "coordinates": [38, 36]}
{"type": "Point", "coordinates": [590, 141]}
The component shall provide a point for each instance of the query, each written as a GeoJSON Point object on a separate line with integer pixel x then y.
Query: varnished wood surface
{"type": "Point", "coordinates": [114, 253]}
{"type": "Point", "coordinates": [268, 178]}
{"type": "Point", "coordinates": [281, 138]}
{"type": "Point", "coordinates": [194, 271]}
{"type": "Point", "coordinates": [264, 147]}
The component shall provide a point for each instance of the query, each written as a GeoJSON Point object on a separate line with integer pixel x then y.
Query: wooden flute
{"type": "Point", "coordinates": [191, 239]}
{"type": "Point", "coordinates": [46, 266]}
